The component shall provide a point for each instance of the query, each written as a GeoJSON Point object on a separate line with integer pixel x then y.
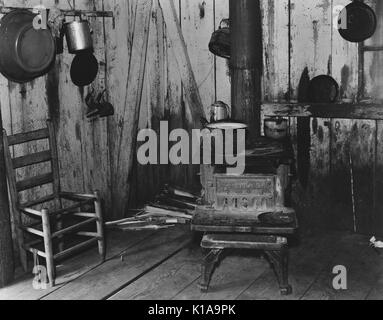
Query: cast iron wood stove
{"type": "Point", "coordinates": [248, 211]}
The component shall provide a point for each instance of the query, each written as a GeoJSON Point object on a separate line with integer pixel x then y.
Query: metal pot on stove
{"type": "Point", "coordinates": [276, 128]}
{"type": "Point", "coordinates": [219, 111]}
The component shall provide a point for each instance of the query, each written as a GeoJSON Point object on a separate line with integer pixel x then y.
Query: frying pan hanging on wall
{"type": "Point", "coordinates": [323, 89]}
{"type": "Point", "coordinates": [26, 53]}
{"type": "Point", "coordinates": [357, 22]}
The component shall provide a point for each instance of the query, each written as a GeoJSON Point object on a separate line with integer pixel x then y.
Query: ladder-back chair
{"type": "Point", "coordinates": [49, 223]}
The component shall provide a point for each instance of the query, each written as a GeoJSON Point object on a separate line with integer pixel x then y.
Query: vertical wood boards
{"type": "Point", "coordinates": [128, 110]}
{"type": "Point", "coordinates": [373, 91]}
{"type": "Point", "coordinates": [118, 46]}
{"type": "Point", "coordinates": [153, 106]}
{"type": "Point", "coordinates": [197, 23]}
{"type": "Point", "coordinates": [311, 28]}
{"type": "Point", "coordinates": [94, 153]}
{"type": "Point", "coordinates": [175, 106]}
{"type": "Point", "coordinates": [276, 50]}
{"type": "Point", "coordinates": [352, 146]}
{"type": "Point", "coordinates": [197, 27]}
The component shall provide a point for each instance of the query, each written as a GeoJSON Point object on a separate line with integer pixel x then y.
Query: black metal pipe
{"type": "Point", "coordinates": [246, 63]}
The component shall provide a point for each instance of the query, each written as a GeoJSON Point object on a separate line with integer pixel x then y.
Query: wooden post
{"type": "Point", "coordinates": [6, 244]}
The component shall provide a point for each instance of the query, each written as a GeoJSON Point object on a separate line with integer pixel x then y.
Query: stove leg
{"type": "Point", "coordinates": [208, 267]}
{"type": "Point", "coordinates": [280, 262]}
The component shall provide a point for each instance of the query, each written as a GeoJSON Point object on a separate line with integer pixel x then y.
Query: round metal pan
{"type": "Point", "coordinates": [357, 22]}
{"type": "Point", "coordinates": [26, 53]}
{"type": "Point", "coordinates": [323, 89]}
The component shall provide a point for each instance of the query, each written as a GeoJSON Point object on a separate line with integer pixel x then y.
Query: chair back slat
{"type": "Point", "coordinates": [32, 159]}
{"type": "Point", "coordinates": [28, 137]}
{"type": "Point", "coordinates": [46, 156]}
{"type": "Point", "coordinates": [34, 182]}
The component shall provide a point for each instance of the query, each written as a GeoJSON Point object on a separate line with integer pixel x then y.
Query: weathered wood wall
{"type": "Point", "coordinates": [331, 153]}
{"type": "Point", "coordinates": [138, 70]}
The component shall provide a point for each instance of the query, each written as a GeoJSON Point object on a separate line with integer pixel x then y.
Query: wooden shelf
{"type": "Point", "coordinates": [69, 13]}
{"type": "Point", "coordinates": [369, 111]}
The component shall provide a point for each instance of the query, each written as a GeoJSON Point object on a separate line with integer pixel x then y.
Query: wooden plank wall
{"type": "Point", "coordinates": [330, 153]}
{"type": "Point", "coordinates": [96, 155]}
{"type": "Point", "coordinates": [299, 43]}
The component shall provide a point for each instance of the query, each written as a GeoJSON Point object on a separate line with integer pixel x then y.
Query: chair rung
{"type": "Point", "coordinates": [73, 228]}
{"type": "Point", "coordinates": [32, 250]}
{"type": "Point", "coordinates": [37, 202]}
{"type": "Point", "coordinates": [72, 209]}
{"type": "Point", "coordinates": [32, 159]}
{"type": "Point", "coordinates": [89, 234]}
{"type": "Point", "coordinates": [77, 197]}
{"type": "Point", "coordinates": [34, 182]}
{"type": "Point", "coordinates": [31, 212]}
{"type": "Point", "coordinates": [85, 215]}
{"type": "Point", "coordinates": [32, 231]}
{"type": "Point", "coordinates": [30, 247]}
{"type": "Point", "coordinates": [78, 247]}
{"type": "Point", "coordinates": [28, 137]}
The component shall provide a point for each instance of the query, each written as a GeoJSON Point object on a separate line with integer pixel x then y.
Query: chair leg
{"type": "Point", "coordinates": [22, 251]}
{"type": "Point", "coordinates": [100, 227]}
{"type": "Point", "coordinates": [24, 259]}
{"type": "Point", "coordinates": [209, 264]}
{"type": "Point", "coordinates": [48, 247]}
{"type": "Point", "coordinates": [59, 226]}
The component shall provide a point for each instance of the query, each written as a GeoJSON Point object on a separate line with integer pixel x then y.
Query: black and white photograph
{"type": "Point", "coordinates": [189, 156]}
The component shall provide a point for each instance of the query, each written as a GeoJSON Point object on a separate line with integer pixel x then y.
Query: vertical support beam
{"type": "Point", "coordinates": [246, 63]}
{"type": "Point", "coordinates": [6, 244]}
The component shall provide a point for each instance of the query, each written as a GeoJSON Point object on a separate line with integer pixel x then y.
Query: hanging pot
{"type": "Point", "coordinates": [220, 43]}
{"type": "Point", "coordinates": [26, 53]}
{"type": "Point", "coordinates": [78, 36]}
{"type": "Point", "coordinates": [357, 22]}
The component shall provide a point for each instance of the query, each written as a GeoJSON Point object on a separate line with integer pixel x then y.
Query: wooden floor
{"type": "Point", "coordinates": [165, 265]}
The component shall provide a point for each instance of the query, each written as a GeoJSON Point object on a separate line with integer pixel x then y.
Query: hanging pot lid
{"type": "Point", "coordinates": [84, 69]}
{"type": "Point", "coordinates": [323, 89]}
{"type": "Point", "coordinates": [227, 125]}
{"type": "Point", "coordinates": [357, 22]}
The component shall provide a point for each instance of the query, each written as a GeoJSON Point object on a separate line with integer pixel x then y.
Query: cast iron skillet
{"type": "Point", "coordinates": [323, 89]}
{"type": "Point", "coordinates": [84, 69]}
{"type": "Point", "coordinates": [361, 22]}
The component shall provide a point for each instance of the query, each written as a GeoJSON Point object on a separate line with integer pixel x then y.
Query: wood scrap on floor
{"type": "Point", "coordinates": [171, 207]}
